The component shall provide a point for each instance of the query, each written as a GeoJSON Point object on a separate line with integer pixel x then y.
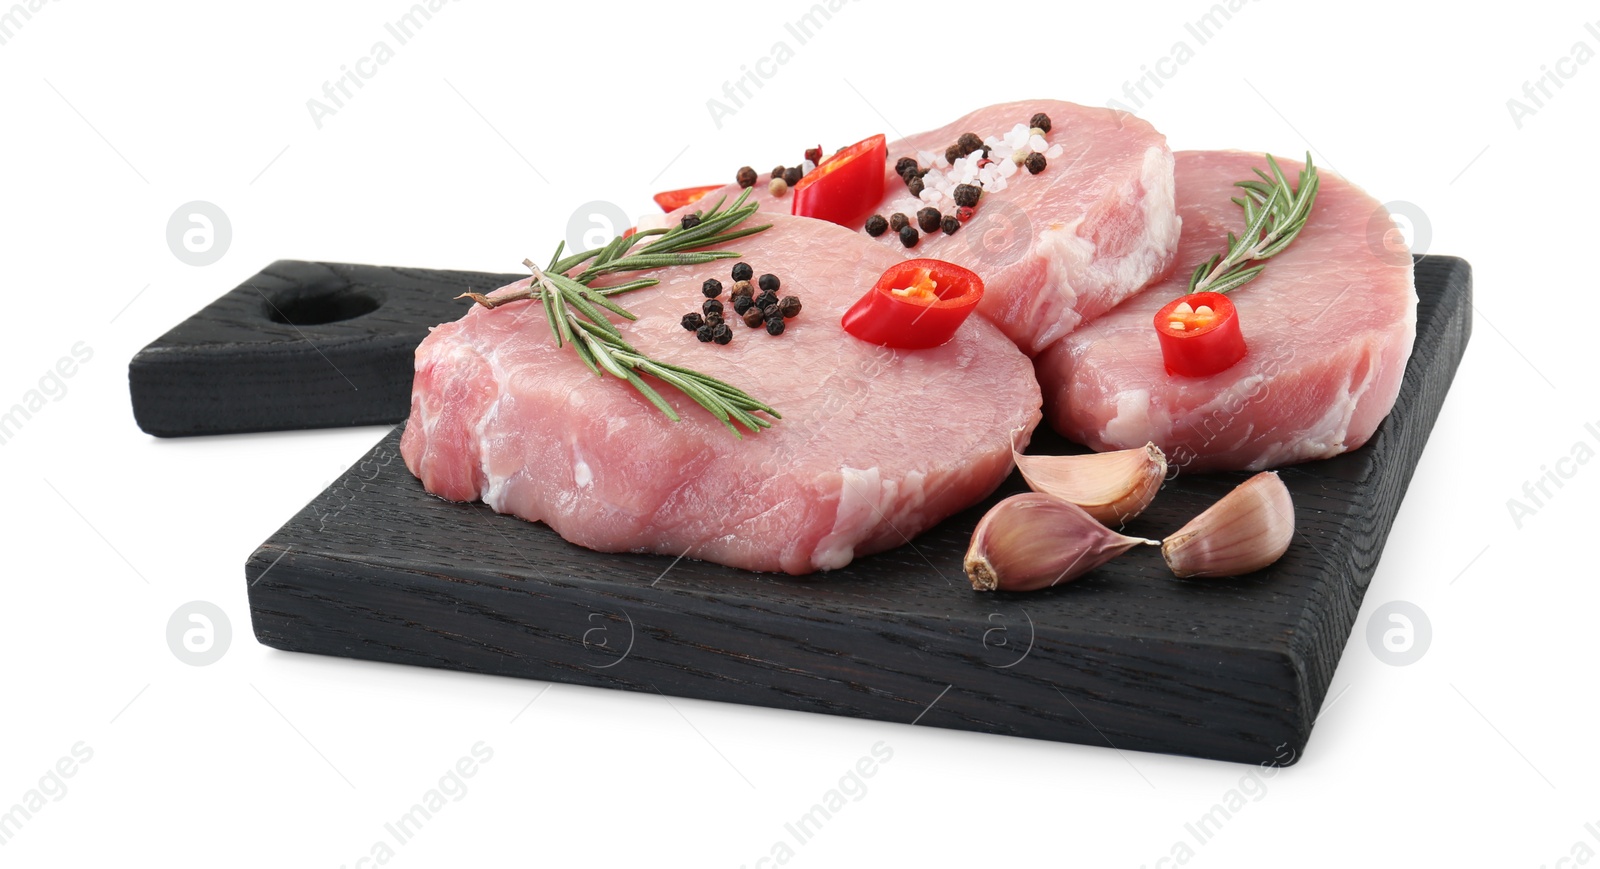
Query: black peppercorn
{"type": "Point", "coordinates": [908, 236]}
{"type": "Point", "coordinates": [876, 225]}
{"type": "Point", "coordinates": [792, 175]}
{"type": "Point", "coordinates": [742, 304]}
{"type": "Point", "coordinates": [742, 271]}
{"type": "Point", "coordinates": [949, 224]}
{"type": "Point", "coordinates": [967, 194]}
{"type": "Point", "coordinates": [905, 165]}
{"type": "Point", "coordinates": [952, 153]}
{"type": "Point", "coordinates": [753, 317]}
{"type": "Point", "coordinates": [710, 306]}
{"type": "Point", "coordinates": [814, 155]}
{"type": "Point", "coordinates": [775, 325]}
{"type": "Point", "coordinates": [712, 288]}
{"type": "Point", "coordinates": [1040, 120]}
{"type": "Point", "coordinates": [968, 143]}
{"type": "Point", "coordinates": [692, 321]}
{"type": "Point", "coordinates": [777, 171]}
{"type": "Point", "coordinates": [928, 219]}
{"type": "Point", "coordinates": [1035, 163]}
{"type": "Point", "coordinates": [768, 282]}
{"type": "Point", "coordinates": [746, 177]}
{"type": "Point", "coordinates": [767, 299]}
{"type": "Point", "coordinates": [898, 221]}
{"type": "Point", "coordinates": [914, 185]}
{"type": "Point", "coordinates": [690, 221]}
{"type": "Point", "coordinates": [713, 318]}
{"type": "Point", "coordinates": [789, 307]}
{"type": "Point", "coordinates": [722, 334]}
{"type": "Point", "coordinates": [704, 334]}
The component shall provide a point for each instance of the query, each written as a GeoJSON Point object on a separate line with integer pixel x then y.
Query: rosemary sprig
{"type": "Point", "coordinates": [576, 311]}
{"type": "Point", "coordinates": [1274, 214]}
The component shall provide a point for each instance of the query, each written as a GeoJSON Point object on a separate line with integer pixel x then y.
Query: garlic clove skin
{"type": "Point", "coordinates": [1033, 541]}
{"type": "Point", "coordinates": [1248, 529]}
{"type": "Point", "coordinates": [1113, 487]}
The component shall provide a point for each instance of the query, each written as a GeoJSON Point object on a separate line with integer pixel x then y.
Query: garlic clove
{"type": "Point", "coordinates": [1112, 487]}
{"type": "Point", "coordinates": [1247, 530]}
{"type": "Point", "coordinates": [1032, 541]}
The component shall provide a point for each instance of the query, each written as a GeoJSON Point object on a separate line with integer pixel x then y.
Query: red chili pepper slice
{"type": "Point", "coordinates": [846, 186]}
{"type": "Point", "coordinates": [915, 305]}
{"type": "Point", "coordinates": [672, 200]}
{"type": "Point", "coordinates": [1199, 334]}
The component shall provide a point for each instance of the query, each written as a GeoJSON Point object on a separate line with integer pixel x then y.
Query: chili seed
{"type": "Point", "coordinates": [742, 304]}
{"type": "Point", "coordinates": [792, 175]}
{"type": "Point", "coordinates": [967, 194]}
{"type": "Point", "coordinates": [1035, 163]}
{"type": "Point", "coordinates": [908, 236]}
{"type": "Point", "coordinates": [742, 271]}
{"type": "Point", "coordinates": [711, 306]}
{"type": "Point", "coordinates": [690, 221]}
{"type": "Point", "coordinates": [704, 334]}
{"type": "Point", "coordinates": [905, 165]}
{"type": "Point", "coordinates": [964, 213]}
{"type": "Point", "coordinates": [876, 225]}
{"type": "Point", "coordinates": [914, 184]}
{"type": "Point", "coordinates": [949, 224]}
{"type": "Point", "coordinates": [746, 177]}
{"type": "Point", "coordinates": [928, 219]}
{"type": "Point", "coordinates": [778, 187]}
{"type": "Point", "coordinates": [814, 155]}
{"type": "Point", "coordinates": [1040, 120]}
{"type": "Point", "coordinates": [968, 143]}
{"type": "Point", "coordinates": [692, 321]}
{"type": "Point", "coordinates": [789, 307]}
{"type": "Point", "coordinates": [775, 325]}
{"type": "Point", "coordinates": [722, 334]}
{"type": "Point", "coordinates": [712, 288]}
{"type": "Point", "coordinates": [753, 317]}
{"type": "Point", "coordinates": [898, 221]}
{"type": "Point", "coordinates": [769, 282]}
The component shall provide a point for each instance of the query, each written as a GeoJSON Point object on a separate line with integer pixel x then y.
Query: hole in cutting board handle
{"type": "Point", "coordinates": [316, 304]}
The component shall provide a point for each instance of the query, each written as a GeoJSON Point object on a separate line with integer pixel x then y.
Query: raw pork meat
{"type": "Point", "coordinates": [1329, 326]}
{"type": "Point", "coordinates": [1055, 249]}
{"type": "Point", "coordinates": [874, 446]}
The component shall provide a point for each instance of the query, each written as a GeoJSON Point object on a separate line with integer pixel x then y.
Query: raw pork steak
{"type": "Point", "coordinates": [1329, 326]}
{"type": "Point", "coordinates": [874, 446]}
{"type": "Point", "coordinates": [1054, 249]}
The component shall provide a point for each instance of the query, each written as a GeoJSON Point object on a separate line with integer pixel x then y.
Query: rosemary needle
{"type": "Point", "coordinates": [1274, 214]}
{"type": "Point", "coordinates": [576, 312]}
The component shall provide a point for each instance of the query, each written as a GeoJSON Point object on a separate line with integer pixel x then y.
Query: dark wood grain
{"type": "Point", "coordinates": [1233, 669]}
{"type": "Point", "coordinates": [298, 345]}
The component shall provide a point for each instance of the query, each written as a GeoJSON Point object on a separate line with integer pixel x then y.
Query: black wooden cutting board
{"type": "Point", "coordinates": [297, 345]}
{"type": "Point", "coordinates": [1233, 669]}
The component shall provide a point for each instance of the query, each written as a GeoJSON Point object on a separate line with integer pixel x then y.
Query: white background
{"type": "Point", "coordinates": [471, 149]}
